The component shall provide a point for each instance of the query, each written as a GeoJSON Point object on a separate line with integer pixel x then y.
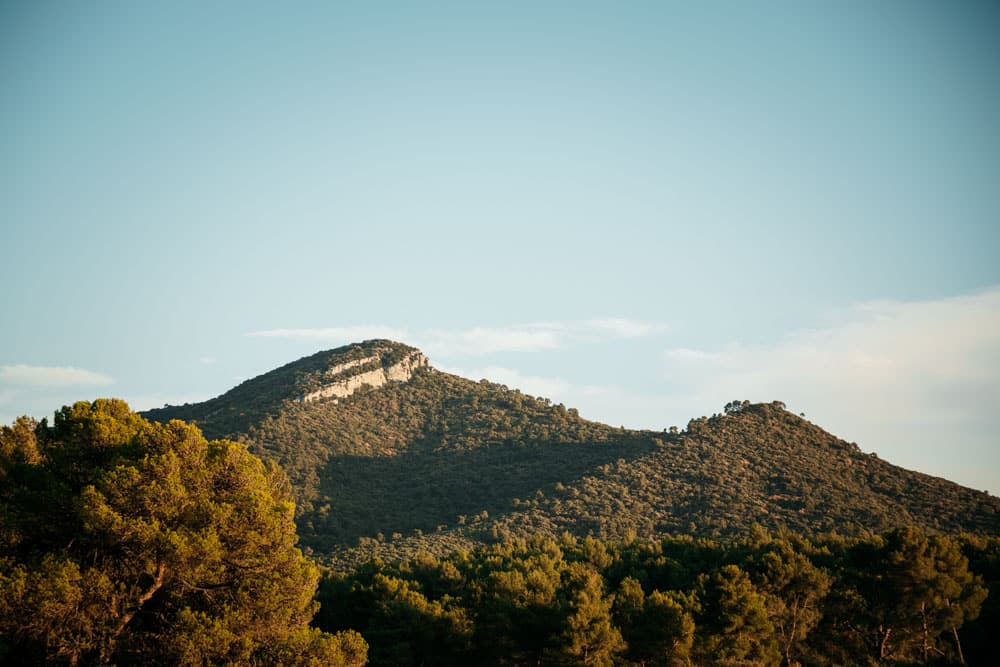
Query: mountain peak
{"type": "Point", "coordinates": [328, 374]}
{"type": "Point", "coordinates": [372, 363]}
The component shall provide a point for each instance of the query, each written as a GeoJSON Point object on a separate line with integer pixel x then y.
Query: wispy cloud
{"type": "Point", "coordinates": [916, 381]}
{"type": "Point", "coordinates": [920, 380]}
{"type": "Point", "coordinates": [888, 356]}
{"type": "Point", "coordinates": [606, 403]}
{"type": "Point", "coordinates": [554, 388]}
{"type": "Point", "coordinates": [537, 336]}
{"type": "Point", "coordinates": [334, 334]}
{"type": "Point", "coordinates": [35, 390]}
{"type": "Point", "coordinates": [482, 340]}
{"type": "Point", "coordinates": [621, 328]}
{"type": "Point", "coordinates": [207, 360]}
{"type": "Point", "coordinates": [685, 355]}
{"type": "Point", "coordinates": [51, 376]}
{"type": "Point", "coordinates": [489, 340]}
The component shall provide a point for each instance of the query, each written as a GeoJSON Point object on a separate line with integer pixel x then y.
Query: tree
{"type": "Point", "coordinates": [796, 589]}
{"type": "Point", "coordinates": [656, 627]}
{"type": "Point", "coordinates": [588, 636]}
{"type": "Point", "coordinates": [904, 596]}
{"type": "Point", "coordinates": [930, 590]}
{"type": "Point", "coordinates": [515, 591]}
{"type": "Point", "coordinates": [733, 627]}
{"type": "Point", "coordinates": [140, 543]}
{"type": "Point", "coordinates": [406, 628]}
{"type": "Point", "coordinates": [978, 634]}
{"type": "Point", "coordinates": [733, 407]}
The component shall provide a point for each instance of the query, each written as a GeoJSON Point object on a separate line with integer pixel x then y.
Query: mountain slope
{"type": "Point", "coordinates": [760, 464]}
{"type": "Point", "coordinates": [300, 381]}
{"type": "Point", "coordinates": [387, 455]}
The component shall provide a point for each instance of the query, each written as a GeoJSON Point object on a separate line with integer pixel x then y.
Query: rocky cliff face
{"type": "Point", "coordinates": [343, 384]}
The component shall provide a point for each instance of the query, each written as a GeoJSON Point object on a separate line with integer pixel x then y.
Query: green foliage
{"type": "Point", "coordinates": [933, 590]}
{"type": "Point", "coordinates": [588, 636]}
{"type": "Point", "coordinates": [908, 593]}
{"type": "Point", "coordinates": [732, 613]}
{"type": "Point", "coordinates": [140, 543]}
{"type": "Point", "coordinates": [795, 589]}
{"type": "Point", "coordinates": [766, 600]}
{"type": "Point", "coordinates": [979, 633]}
{"type": "Point", "coordinates": [658, 628]}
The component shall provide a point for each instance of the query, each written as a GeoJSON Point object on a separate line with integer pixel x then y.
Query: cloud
{"type": "Point", "coordinates": [207, 360]}
{"type": "Point", "coordinates": [35, 389]}
{"type": "Point", "coordinates": [334, 334]}
{"type": "Point", "coordinates": [485, 340]}
{"type": "Point", "coordinates": [893, 354]}
{"type": "Point", "coordinates": [685, 355]}
{"type": "Point", "coordinates": [609, 404]}
{"type": "Point", "coordinates": [916, 380]}
{"type": "Point", "coordinates": [51, 376]}
{"type": "Point", "coordinates": [621, 328]}
{"type": "Point", "coordinates": [529, 384]}
{"type": "Point", "coordinates": [482, 340]}
{"type": "Point", "coordinates": [533, 337]}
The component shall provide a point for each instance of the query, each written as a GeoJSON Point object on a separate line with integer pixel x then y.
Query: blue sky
{"type": "Point", "coordinates": [644, 210]}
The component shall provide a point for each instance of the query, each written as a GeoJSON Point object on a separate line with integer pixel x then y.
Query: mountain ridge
{"type": "Point", "coordinates": [425, 460]}
{"type": "Point", "coordinates": [304, 380]}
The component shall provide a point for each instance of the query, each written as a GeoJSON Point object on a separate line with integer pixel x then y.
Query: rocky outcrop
{"type": "Point", "coordinates": [334, 371]}
{"type": "Point", "coordinates": [342, 386]}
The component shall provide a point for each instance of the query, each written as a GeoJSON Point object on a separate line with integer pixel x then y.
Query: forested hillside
{"type": "Point", "coordinates": [440, 462]}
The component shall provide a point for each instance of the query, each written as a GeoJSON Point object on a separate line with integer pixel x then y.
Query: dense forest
{"type": "Point", "coordinates": [439, 521]}
{"type": "Point", "coordinates": [899, 598]}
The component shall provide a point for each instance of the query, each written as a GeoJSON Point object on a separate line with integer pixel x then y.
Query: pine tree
{"type": "Point", "coordinates": [140, 543]}
{"type": "Point", "coordinates": [733, 627]}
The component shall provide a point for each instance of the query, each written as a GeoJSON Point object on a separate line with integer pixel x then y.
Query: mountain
{"type": "Point", "coordinates": [390, 456]}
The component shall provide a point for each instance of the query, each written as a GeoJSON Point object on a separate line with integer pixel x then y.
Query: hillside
{"type": "Point", "coordinates": [389, 456]}
{"type": "Point", "coordinates": [300, 381]}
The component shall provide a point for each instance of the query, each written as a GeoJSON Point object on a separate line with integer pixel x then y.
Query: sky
{"type": "Point", "coordinates": [641, 209]}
